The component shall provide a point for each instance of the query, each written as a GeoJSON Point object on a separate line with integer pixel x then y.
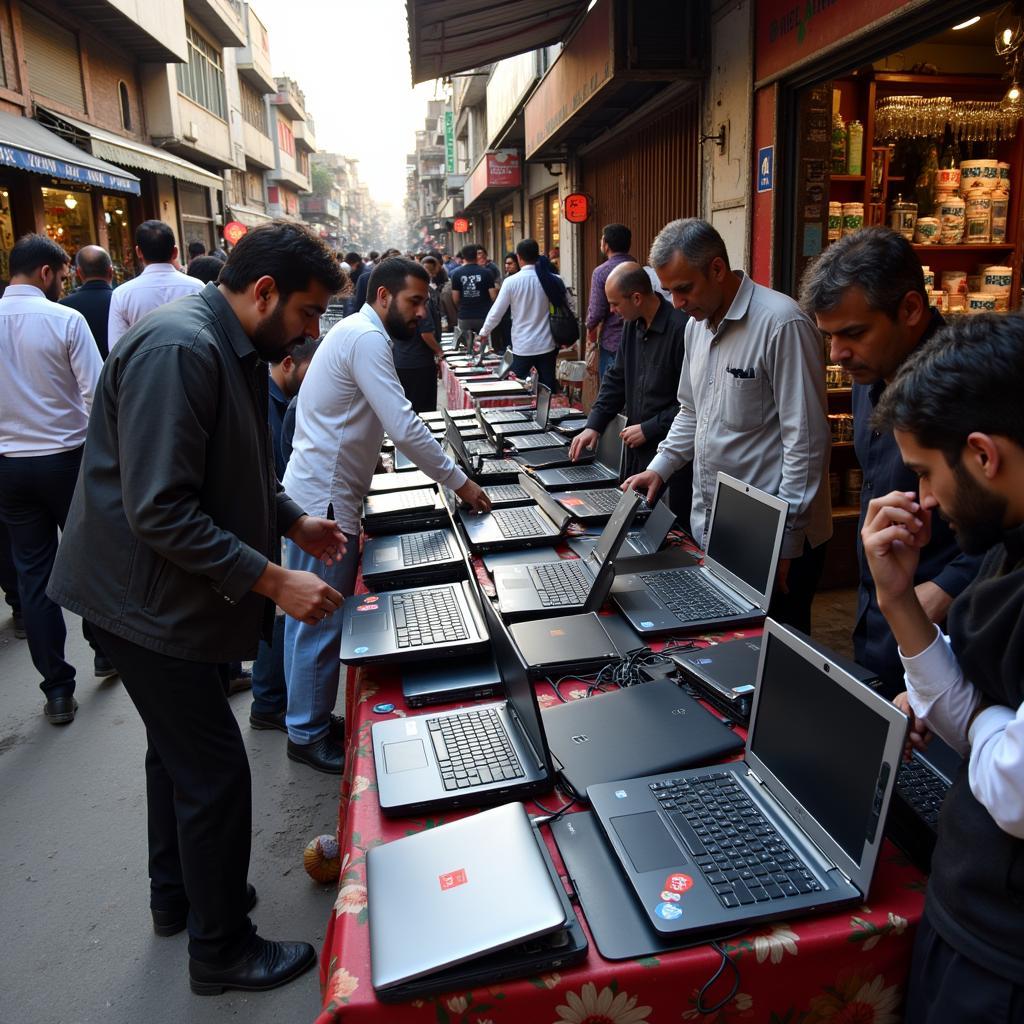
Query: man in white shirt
{"type": "Point", "coordinates": [51, 365]}
{"type": "Point", "coordinates": [159, 283]}
{"type": "Point", "coordinates": [954, 409]}
{"type": "Point", "coordinates": [350, 396]}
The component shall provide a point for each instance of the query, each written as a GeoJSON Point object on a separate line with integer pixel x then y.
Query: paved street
{"type": "Point", "coordinates": [79, 946]}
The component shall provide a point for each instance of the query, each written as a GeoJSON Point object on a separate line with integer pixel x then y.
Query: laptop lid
{"type": "Point", "coordinates": [543, 405]}
{"type": "Point", "coordinates": [655, 530]}
{"type": "Point", "coordinates": [455, 439]}
{"type": "Point", "coordinates": [558, 515]}
{"type": "Point", "coordinates": [827, 747]}
{"type": "Point", "coordinates": [745, 538]}
{"type": "Point", "coordinates": [609, 447]}
{"type": "Point", "coordinates": [614, 532]}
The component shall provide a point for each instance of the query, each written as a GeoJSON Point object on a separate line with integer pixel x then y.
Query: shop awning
{"type": "Point", "coordinates": [447, 36]}
{"type": "Point", "coordinates": [131, 153]}
{"type": "Point", "coordinates": [27, 145]}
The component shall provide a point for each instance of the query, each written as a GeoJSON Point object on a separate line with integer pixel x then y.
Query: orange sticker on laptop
{"type": "Point", "coordinates": [452, 879]}
{"type": "Point", "coordinates": [678, 883]}
{"type": "Point", "coordinates": [572, 502]}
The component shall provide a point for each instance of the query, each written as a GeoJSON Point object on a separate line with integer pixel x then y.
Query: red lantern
{"type": "Point", "coordinates": [233, 231]}
{"type": "Point", "coordinates": [461, 226]}
{"type": "Point", "coordinates": [576, 207]}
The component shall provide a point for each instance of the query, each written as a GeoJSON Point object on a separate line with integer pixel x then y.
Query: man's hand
{"type": "Point", "coordinates": [587, 438]}
{"type": "Point", "coordinates": [482, 338]}
{"type": "Point", "coordinates": [919, 735]}
{"type": "Point", "coordinates": [302, 595]}
{"type": "Point", "coordinates": [895, 530]}
{"type": "Point", "coordinates": [321, 538]}
{"type": "Point", "coordinates": [934, 600]}
{"type": "Point", "coordinates": [782, 575]}
{"type": "Point", "coordinates": [633, 437]}
{"type": "Point", "coordinates": [647, 483]}
{"type": "Point", "coordinates": [473, 495]}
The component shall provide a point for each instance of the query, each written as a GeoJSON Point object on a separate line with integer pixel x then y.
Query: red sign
{"type": "Point", "coordinates": [503, 169]}
{"type": "Point", "coordinates": [461, 226]}
{"type": "Point", "coordinates": [452, 879]}
{"type": "Point", "coordinates": [233, 231]}
{"type": "Point", "coordinates": [576, 207]}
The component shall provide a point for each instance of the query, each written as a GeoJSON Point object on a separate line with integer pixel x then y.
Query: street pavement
{"type": "Point", "coordinates": [78, 944]}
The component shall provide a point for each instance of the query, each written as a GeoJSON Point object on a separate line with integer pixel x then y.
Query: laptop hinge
{"type": "Point", "coordinates": [525, 735]}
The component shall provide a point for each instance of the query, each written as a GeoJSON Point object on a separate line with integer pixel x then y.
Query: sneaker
{"type": "Point", "coordinates": [103, 667]}
{"type": "Point", "coordinates": [19, 626]}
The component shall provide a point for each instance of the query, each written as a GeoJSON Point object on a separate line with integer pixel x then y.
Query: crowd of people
{"type": "Point", "coordinates": [134, 424]}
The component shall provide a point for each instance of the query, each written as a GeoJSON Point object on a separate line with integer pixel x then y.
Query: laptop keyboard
{"type": "Point", "coordinates": [601, 500]}
{"type": "Point", "coordinates": [687, 594]}
{"type": "Point", "coordinates": [473, 749]}
{"type": "Point", "coordinates": [529, 441]}
{"type": "Point", "coordinates": [500, 466]}
{"type": "Point", "coordinates": [741, 856]}
{"type": "Point", "coordinates": [419, 548]}
{"type": "Point", "coordinates": [560, 583]}
{"type": "Point", "coordinates": [519, 522]}
{"type": "Point", "coordinates": [420, 498]}
{"type": "Point", "coordinates": [923, 789]}
{"type": "Point", "coordinates": [506, 492]}
{"type": "Point", "coordinates": [479, 447]}
{"type": "Point", "coordinates": [425, 617]}
{"type": "Point", "coordinates": [505, 417]}
{"type": "Point", "coordinates": [581, 474]}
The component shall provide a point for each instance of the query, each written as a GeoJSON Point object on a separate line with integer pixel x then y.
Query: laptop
{"type": "Point", "coordinates": [500, 388]}
{"type": "Point", "coordinates": [536, 424]}
{"type": "Point", "coordinates": [478, 467]}
{"type": "Point", "coordinates": [566, 584]}
{"type": "Point", "coordinates": [396, 511]}
{"type": "Point", "coordinates": [579, 644]}
{"type": "Point", "coordinates": [591, 470]}
{"type": "Point", "coordinates": [572, 425]}
{"type": "Point", "coordinates": [530, 442]}
{"type": "Point", "coordinates": [645, 541]}
{"type": "Point", "coordinates": [507, 495]}
{"type": "Point", "coordinates": [412, 559]}
{"type": "Point", "coordinates": [735, 582]}
{"type": "Point", "coordinates": [448, 683]}
{"type": "Point", "coordinates": [381, 483]}
{"type": "Point", "coordinates": [794, 828]}
{"type": "Point", "coordinates": [507, 415]}
{"type": "Point", "coordinates": [403, 464]}
{"type": "Point", "coordinates": [544, 522]}
{"type": "Point", "coordinates": [440, 621]}
{"type": "Point", "coordinates": [450, 894]}
{"type": "Point", "coordinates": [594, 505]}
{"type": "Point", "coordinates": [474, 756]}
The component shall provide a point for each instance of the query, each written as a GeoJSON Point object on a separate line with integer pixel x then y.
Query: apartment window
{"type": "Point", "coordinates": [285, 138]}
{"type": "Point", "coordinates": [52, 58]}
{"type": "Point", "coordinates": [254, 110]}
{"type": "Point", "coordinates": [254, 189]}
{"type": "Point", "coordinates": [302, 160]}
{"type": "Point", "coordinates": [236, 187]}
{"type": "Point", "coordinates": [126, 107]}
{"type": "Point", "coordinates": [202, 78]}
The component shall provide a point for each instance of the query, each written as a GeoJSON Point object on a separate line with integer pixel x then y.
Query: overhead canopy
{"type": "Point", "coordinates": [448, 36]}
{"type": "Point", "coordinates": [27, 145]}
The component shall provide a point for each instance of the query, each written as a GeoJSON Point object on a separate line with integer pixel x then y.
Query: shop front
{"type": "Point", "coordinates": [487, 192]}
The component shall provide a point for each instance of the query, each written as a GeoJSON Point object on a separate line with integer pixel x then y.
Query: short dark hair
{"type": "Point", "coordinates": [206, 268]}
{"type": "Point", "coordinates": [528, 250]}
{"type": "Point", "coordinates": [289, 253]}
{"type": "Point", "coordinates": [196, 248]}
{"type": "Point", "coordinates": [617, 237]}
{"type": "Point", "coordinates": [468, 252]}
{"type": "Point", "coordinates": [697, 240]}
{"type": "Point", "coordinates": [31, 252]}
{"type": "Point", "coordinates": [391, 274]}
{"type": "Point", "coordinates": [877, 259]}
{"type": "Point", "coordinates": [969, 376]}
{"type": "Point", "coordinates": [301, 353]}
{"type": "Point", "coordinates": [155, 240]}
{"type": "Point", "coordinates": [93, 261]}
{"type": "Point", "coordinates": [353, 258]}
{"type": "Point", "coordinates": [373, 254]}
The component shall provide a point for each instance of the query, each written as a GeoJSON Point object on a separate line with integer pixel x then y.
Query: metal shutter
{"type": "Point", "coordinates": [54, 66]}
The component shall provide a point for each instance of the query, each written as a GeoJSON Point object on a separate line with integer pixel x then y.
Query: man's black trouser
{"type": "Point", "coordinates": [420, 386]}
{"type": "Point", "coordinates": [545, 365]}
{"type": "Point", "coordinates": [198, 795]}
{"type": "Point", "coordinates": [8, 573]}
{"type": "Point", "coordinates": [794, 608]}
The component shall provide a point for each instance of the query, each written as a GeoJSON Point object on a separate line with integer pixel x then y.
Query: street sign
{"type": "Point", "coordinates": [766, 169]}
{"type": "Point", "coordinates": [576, 207]}
{"type": "Point", "coordinates": [449, 141]}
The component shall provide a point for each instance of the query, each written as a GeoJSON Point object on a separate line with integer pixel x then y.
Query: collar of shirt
{"type": "Point", "coordinates": [93, 286]}
{"type": "Point", "coordinates": [740, 303]}
{"type": "Point", "coordinates": [240, 341]}
{"type": "Point", "coordinates": [24, 290]}
{"type": "Point", "coordinates": [374, 317]}
{"type": "Point", "coordinates": [659, 321]}
{"type": "Point", "coordinates": [159, 268]}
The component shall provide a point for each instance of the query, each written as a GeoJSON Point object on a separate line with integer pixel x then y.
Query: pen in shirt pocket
{"type": "Point", "coordinates": [330, 510]}
{"type": "Point", "coordinates": [741, 374]}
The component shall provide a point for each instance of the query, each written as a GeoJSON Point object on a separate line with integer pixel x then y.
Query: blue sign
{"type": "Point", "coordinates": [766, 169]}
{"type": "Point", "coordinates": [28, 161]}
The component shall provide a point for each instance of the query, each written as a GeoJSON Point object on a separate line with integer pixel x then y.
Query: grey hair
{"type": "Point", "coordinates": [877, 259]}
{"type": "Point", "coordinates": [696, 239]}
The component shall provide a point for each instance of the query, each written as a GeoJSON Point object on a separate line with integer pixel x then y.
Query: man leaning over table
{"type": "Point", "coordinates": [351, 396]}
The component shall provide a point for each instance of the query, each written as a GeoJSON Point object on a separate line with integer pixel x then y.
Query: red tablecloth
{"type": "Point", "coordinates": [458, 398]}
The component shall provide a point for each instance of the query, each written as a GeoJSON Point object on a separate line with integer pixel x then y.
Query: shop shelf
{"type": "Point", "coordinates": [845, 512]}
{"type": "Point", "coordinates": [846, 177]}
{"type": "Point", "coordinates": [967, 247]}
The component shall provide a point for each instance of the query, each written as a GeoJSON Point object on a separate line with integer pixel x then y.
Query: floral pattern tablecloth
{"type": "Point", "coordinates": [457, 397]}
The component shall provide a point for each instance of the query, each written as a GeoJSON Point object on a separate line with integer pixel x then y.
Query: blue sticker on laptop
{"type": "Point", "coordinates": [668, 911]}
{"type": "Point", "coordinates": [362, 650]}
{"type": "Point", "coordinates": [647, 625]}
{"type": "Point", "coordinates": [703, 661]}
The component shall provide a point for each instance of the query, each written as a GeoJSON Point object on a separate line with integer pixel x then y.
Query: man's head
{"type": "Point", "coordinates": [373, 255]}
{"type": "Point", "coordinates": [628, 290]}
{"type": "Point", "coordinates": [528, 251]}
{"type": "Point", "coordinates": [511, 263]}
{"type": "Point", "coordinates": [40, 262]}
{"type": "Point", "coordinates": [691, 262]}
{"type": "Point", "coordinates": [279, 279]}
{"type": "Point", "coordinates": [615, 238]}
{"type": "Point", "coordinates": [205, 268]}
{"type": "Point", "coordinates": [93, 263]}
{"type": "Point", "coordinates": [955, 410]}
{"type": "Point", "coordinates": [866, 292]}
{"type": "Point", "coordinates": [432, 264]}
{"type": "Point", "coordinates": [290, 371]}
{"type": "Point", "coordinates": [469, 252]}
{"type": "Point", "coordinates": [354, 260]}
{"type": "Point", "coordinates": [154, 242]}
{"type": "Point", "coordinates": [481, 255]}
{"type": "Point", "coordinates": [196, 249]}
{"type": "Point", "coordinates": [398, 290]}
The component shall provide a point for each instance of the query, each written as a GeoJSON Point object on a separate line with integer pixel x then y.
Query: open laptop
{"type": "Point", "coordinates": [644, 541]}
{"type": "Point", "coordinates": [381, 483]}
{"type": "Point", "coordinates": [735, 582]}
{"type": "Point", "coordinates": [521, 415]}
{"type": "Point", "coordinates": [595, 505]}
{"type": "Point", "coordinates": [536, 424]}
{"type": "Point", "coordinates": [507, 495]}
{"type": "Point", "coordinates": [500, 388]}
{"type": "Point", "coordinates": [395, 511]}
{"type": "Point", "coordinates": [477, 466]}
{"type": "Point", "coordinates": [412, 559]}
{"type": "Point", "coordinates": [474, 756]}
{"type": "Point", "coordinates": [544, 522]}
{"type": "Point", "coordinates": [793, 828]}
{"type": "Point", "coordinates": [590, 470]}
{"type": "Point", "coordinates": [566, 584]}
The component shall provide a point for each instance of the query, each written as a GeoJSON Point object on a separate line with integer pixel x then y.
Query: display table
{"type": "Point", "coordinates": [456, 396]}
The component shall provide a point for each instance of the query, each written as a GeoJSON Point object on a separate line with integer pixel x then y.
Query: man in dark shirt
{"type": "Point", "coordinates": [474, 288]}
{"type": "Point", "coordinates": [867, 293]}
{"type": "Point", "coordinates": [644, 379]}
{"type": "Point", "coordinates": [604, 325]}
{"type": "Point", "coordinates": [416, 357]}
{"type": "Point", "coordinates": [95, 271]}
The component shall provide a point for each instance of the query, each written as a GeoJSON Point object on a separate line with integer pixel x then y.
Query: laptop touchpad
{"type": "Point", "coordinates": [648, 842]}
{"type": "Point", "coordinates": [404, 756]}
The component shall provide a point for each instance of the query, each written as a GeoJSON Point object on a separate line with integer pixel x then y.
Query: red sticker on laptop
{"type": "Point", "coordinates": [678, 883]}
{"type": "Point", "coordinates": [572, 502]}
{"type": "Point", "coordinates": [452, 879]}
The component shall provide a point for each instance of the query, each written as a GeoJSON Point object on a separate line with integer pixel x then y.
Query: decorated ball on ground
{"type": "Point", "coordinates": [322, 859]}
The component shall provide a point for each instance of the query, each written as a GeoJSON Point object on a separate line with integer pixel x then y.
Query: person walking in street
{"type": "Point", "coordinates": [416, 358]}
{"type": "Point", "coordinates": [751, 404]}
{"type": "Point", "coordinates": [501, 336]}
{"type": "Point", "coordinates": [95, 272]}
{"type": "Point", "coordinates": [474, 288]}
{"type": "Point", "coordinates": [352, 395]}
{"type": "Point", "coordinates": [604, 325]}
{"type": "Point", "coordinates": [159, 283]}
{"type": "Point", "coordinates": [51, 365]}
{"type": "Point", "coordinates": [169, 549]}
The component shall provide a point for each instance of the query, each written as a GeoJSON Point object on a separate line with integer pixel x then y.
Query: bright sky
{"type": "Point", "coordinates": [351, 60]}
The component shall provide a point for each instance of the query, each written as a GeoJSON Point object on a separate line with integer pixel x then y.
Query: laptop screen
{"type": "Point", "coordinates": [615, 529]}
{"type": "Point", "coordinates": [543, 405]}
{"type": "Point", "coordinates": [822, 743]}
{"type": "Point", "coordinates": [454, 438]}
{"type": "Point", "coordinates": [742, 536]}
{"type": "Point", "coordinates": [609, 448]}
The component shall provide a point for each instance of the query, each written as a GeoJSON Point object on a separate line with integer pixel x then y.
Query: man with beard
{"type": "Point", "coordinates": [350, 397]}
{"type": "Point", "coordinates": [867, 294]}
{"type": "Point", "coordinates": [51, 365]}
{"type": "Point", "coordinates": [169, 550]}
{"type": "Point", "coordinates": [955, 411]}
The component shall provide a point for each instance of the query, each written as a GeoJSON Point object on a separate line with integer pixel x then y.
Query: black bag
{"type": "Point", "coordinates": [565, 328]}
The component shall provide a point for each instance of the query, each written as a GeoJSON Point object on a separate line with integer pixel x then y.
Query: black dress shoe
{"type": "Point", "coordinates": [60, 710]}
{"type": "Point", "coordinates": [240, 682]}
{"type": "Point", "coordinates": [103, 667]}
{"type": "Point", "coordinates": [267, 965]}
{"type": "Point", "coordinates": [325, 755]}
{"type": "Point", "coordinates": [170, 922]}
{"type": "Point", "coordinates": [267, 720]}
{"type": "Point", "coordinates": [336, 729]}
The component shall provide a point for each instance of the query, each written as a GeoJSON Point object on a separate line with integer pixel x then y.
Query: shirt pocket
{"type": "Point", "coordinates": [743, 403]}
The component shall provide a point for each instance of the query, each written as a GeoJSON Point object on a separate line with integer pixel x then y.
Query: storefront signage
{"type": "Point", "coordinates": [28, 161]}
{"type": "Point", "coordinates": [233, 231]}
{"type": "Point", "coordinates": [449, 141]}
{"type": "Point", "coordinates": [498, 170]}
{"type": "Point", "coordinates": [766, 169]}
{"type": "Point", "coordinates": [576, 207]}
{"type": "Point", "coordinates": [461, 226]}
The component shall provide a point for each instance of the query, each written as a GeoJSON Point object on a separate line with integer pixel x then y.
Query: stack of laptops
{"type": "Point", "coordinates": [413, 559]}
{"type": "Point", "coordinates": [596, 504]}
{"type": "Point", "coordinates": [381, 483]}
{"type": "Point", "coordinates": [396, 511]}
{"type": "Point", "coordinates": [504, 529]}
{"type": "Point", "coordinates": [500, 388]}
{"type": "Point", "coordinates": [588, 471]}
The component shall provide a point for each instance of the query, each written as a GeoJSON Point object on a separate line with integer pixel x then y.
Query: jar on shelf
{"type": "Point", "coordinates": [838, 144]}
{"type": "Point", "coordinates": [954, 281]}
{"type": "Point", "coordinates": [903, 217]}
{"type": "Point", "coordinates": [952, 212]}
{"type": "Point", "coordinates": [926, 231]}
{"type": "Point", "coordinates": [978, 219]}
{"type": "Point", "coordinates": [853, 217]}
{"type": "Point", "coordinates": [929, 277]}
{"type": "Point", "coordinates": [981, 302]}
{"type": "Point", "coordinates": [841, 425]}
{"type": "Point", "coordinates": [1000, 211]}
{"type": "Point", "coordinates": [835, 221]}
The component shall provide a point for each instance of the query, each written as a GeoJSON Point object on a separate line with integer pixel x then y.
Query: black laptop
{"type": "Point", "coordinates": [412, 559]}
{"type": "Point", "coordinates": [479, 467]}
{"type": "Point", "coordinates": [589, 471]}
{"type": "Point", "coordinates": [381, 483]}
{"type": "Point", "coordinates": [646, 540]}
{"type": "Point", "coordinates": [449, 682]}
{"type": "Point", "coordinates": [595, 505]}
{"type": "Point", "coordinates": [521, 415]}
{"type": "Point", "coordinates": [507, 495]}
{"type": "Point", "coordinates": [579, 644]}
{"type": "Point", "coordinates": [544, 522]}
{"type": "Point", "coordinates": [536, 424]}
{"type": "Point", "coordinates": [396, 511]}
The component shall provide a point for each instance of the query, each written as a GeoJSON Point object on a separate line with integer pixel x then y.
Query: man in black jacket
{"type": "Point", "coordinates": [95, 271]}
{"type": "Point", "coordinates": [643, 380]}
{"type": "Point", "coordinates": [169, 549]}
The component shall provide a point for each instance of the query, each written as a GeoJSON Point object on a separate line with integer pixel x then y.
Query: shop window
{"type": "Point", "coordinates": [196, 222]}
{"type": "Point", "coordinates": [202, 78]}
{"type": "Point", "coordinates": [69, 219]}
{"type": "Point", "coordinates": [120, 237]}
{"type": "Point", "coordinates": [254, 110]}
{"type": "Point", "coordinates": [554, 222]}
{"type": "Point", "coordinates": [126, 107]}
{"type": "Point", "coordinates": [254, 189]}
{"type": "Point", "coordinates": [507, 233]}
{"type": "Point", "coordinates": [538, 222]}
{"type": "Point", "coordinates": [236, 187]}
{"type": "Point", "coordinates": [6, 233]}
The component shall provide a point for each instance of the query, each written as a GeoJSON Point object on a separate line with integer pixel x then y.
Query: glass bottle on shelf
{"type": "Point", "coordinates": [950, 156]}
{"type": "Point", "coordinates": [924, 189]}
{"type": "Point", "coordinates": [838, 144]}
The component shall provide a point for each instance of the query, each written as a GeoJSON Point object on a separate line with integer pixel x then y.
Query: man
{"type": "Point", "coordinates": [867, 293]}
{"type": "Point", "coordinates": [533, 345]}
{"type": "Point", "coordinates": [95, 272]}
{"type": "Point", "coordinates": [751, 404]}
{"type": "Point", "coordinates": [169, 548]}
{"type": "Point", "coordinates": [363, 284]}
{"type": "Point", "coordinates": [416, 358]}
{"type": "Point", "coordinates": [644, 378]}
{"type": "Point", "coordinates": [474, 288]}
{"type": "Point", "coordinates": [483, 261]}
{"type": "Point", "coordinates": [159, 283]}
{"type": "Point", "coordinates": [269, 688]}
{"type": "Point", "coordinates": [604, 325]}
{"type": "Point", "coordinates": [9, 582]}
{"type": "Point", "coordinates": [196, 249]}
{"type": "Point", "coordinates": [955, 411]}
{"type": "Point", "coordinates": [356, 270]}
{"type": "Point", "coordinates": [51, 365]}
{"type": "Point", "coordinates": [351, 396]}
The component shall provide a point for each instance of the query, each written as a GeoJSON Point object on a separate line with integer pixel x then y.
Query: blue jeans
{"type": "Point", "coordinates": [311, 653]}
{"type": "Point", "coordinates": [605, 361]}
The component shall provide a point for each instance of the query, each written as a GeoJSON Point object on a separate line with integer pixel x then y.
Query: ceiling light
{"type": "Point", "coordinates": [119, 212]}
{"type": "Point", "coordinates": [70, 202]}
{"type": "Point", "coordinates": [1013, 96]}
{"type": "Point", "coordinates": [968, 23]}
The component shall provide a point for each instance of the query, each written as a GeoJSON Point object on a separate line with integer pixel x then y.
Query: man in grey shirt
{"type": "Point", "coordinates": [751, 404]}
